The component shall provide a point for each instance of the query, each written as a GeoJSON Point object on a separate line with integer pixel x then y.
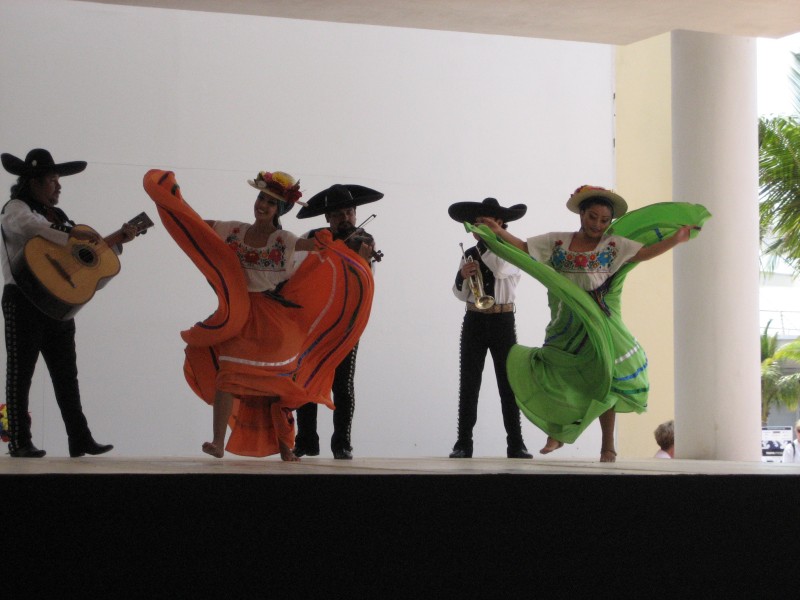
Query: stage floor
{"type": "Point", "coordinates": [107, 465]}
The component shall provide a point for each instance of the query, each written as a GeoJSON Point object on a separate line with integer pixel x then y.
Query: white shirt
{"type": "Point", "coordinates": [506, 278]}
{"type": "Point", "coordinates": [791, 453]}
{"type": "Point", "coordinates": [20, 224]}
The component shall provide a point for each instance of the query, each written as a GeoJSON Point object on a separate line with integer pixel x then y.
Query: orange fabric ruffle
{"type": "Point", "coordinates": [255, 347]}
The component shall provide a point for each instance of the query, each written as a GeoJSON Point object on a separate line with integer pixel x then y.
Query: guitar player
{"type": "Point", "coordinates": [29, 332]}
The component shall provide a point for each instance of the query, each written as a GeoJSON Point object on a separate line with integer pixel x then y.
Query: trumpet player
{"type": "Point", "coordinates": [487, 285]}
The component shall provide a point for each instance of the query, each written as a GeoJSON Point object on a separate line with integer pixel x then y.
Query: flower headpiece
{"type": "Point", "coordinates": [278, 184]}
{"type": "Point", "coordinates": [589, 188]}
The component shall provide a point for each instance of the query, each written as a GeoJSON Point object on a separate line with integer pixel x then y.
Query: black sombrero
{"type": "Point", "coordinates": [336, 197]}
{"type": "Point", "coordinates": [39, 162]}
{"type": "Point", "coordinates": [490, 207]}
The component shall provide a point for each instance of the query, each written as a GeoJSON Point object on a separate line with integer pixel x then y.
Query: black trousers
{"type": "Point", "coordinates": [29, 333]}
{"type": "Point", "coordinates": [480, 333]}
{"type": "Point", "coordinates": [344, 399]}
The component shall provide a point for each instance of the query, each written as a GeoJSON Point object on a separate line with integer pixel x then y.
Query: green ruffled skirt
{"type": "Point", "coordinates": [589, 361]}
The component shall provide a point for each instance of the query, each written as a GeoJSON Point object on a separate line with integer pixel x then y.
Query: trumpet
{"type": "Point", "coordinates": [482, 300]}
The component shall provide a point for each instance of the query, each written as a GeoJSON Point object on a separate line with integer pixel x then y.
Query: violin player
{"type": "Point", "coordinates": [489, 325]}
{"type": "Point", "coordinates": [338, 204]}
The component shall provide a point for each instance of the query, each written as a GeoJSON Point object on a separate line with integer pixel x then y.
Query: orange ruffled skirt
{"type": "Point", "coordinates": [255, 347]}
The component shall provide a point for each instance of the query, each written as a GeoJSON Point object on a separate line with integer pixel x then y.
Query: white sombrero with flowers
{"type": "Point", "coordinates": [591, 191]}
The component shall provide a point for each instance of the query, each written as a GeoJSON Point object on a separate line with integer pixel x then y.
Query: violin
{"type": "Point", "coordinates": [353, 236]}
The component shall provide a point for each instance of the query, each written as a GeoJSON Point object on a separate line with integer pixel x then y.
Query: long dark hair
{"type": "Point", "coordinates": [22, 189]}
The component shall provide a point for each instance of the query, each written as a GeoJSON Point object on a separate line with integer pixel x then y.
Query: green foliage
{"type": "Point", "coordinates": [779, 181]}
{"type": "Point", "coordinates": [777, 388]}
{"type": "Point", "coordinates": [779, 222]}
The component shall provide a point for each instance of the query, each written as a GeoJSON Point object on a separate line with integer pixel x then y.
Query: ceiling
{"type": "Point", "coordinates": [618, 22]}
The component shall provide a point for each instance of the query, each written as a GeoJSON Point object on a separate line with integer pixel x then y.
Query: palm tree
{"type": "Point", "coordinates": [778, 388]}
{"type": "Point", "coordinates": [779, 180]}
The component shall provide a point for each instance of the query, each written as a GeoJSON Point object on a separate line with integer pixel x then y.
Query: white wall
{"type": "Point", "coordinates": [428, 118]}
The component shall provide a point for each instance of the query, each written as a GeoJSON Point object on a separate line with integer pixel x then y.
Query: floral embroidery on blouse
{"type": "Point", "coordinates": [564, 259]}
{"type": "Point", "coordinates": [268, 258]}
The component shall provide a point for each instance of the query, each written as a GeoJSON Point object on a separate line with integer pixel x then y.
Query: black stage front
{"type": "Point", "coordinates": [485, 528]}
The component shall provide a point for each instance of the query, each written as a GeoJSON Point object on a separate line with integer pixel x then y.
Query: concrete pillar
{"type": "Point", "coordinates": [715, 163]}
{"type": "Point", "coordinates": [643, 135]}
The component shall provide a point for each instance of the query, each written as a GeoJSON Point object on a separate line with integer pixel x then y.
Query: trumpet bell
{"type": "Point", "coordinates": [484, 302]}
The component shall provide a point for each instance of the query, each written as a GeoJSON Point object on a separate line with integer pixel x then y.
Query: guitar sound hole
{"type": "Point", "coordinates": [85, 255]}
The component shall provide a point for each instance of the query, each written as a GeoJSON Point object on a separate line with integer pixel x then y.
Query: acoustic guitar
{"type": "Point", "coordinates": [60, 280]}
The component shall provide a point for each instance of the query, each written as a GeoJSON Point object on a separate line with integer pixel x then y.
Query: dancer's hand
{"type": "Point", "coordinates": [682, 235]}
{"type": "Point", "coordinates": [492, 224]}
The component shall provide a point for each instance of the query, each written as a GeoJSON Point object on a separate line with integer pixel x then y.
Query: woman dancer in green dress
{"type": "Point", "coordinates": [590, 366]}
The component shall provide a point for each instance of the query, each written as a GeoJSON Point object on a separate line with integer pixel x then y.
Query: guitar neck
{"type": "Point", "coordinates": [140, 222]}
{"type": "Point", "coordinates": [115, 238]}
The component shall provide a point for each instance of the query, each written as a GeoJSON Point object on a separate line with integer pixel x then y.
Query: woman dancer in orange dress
{"type": "Point", "coordinates": [277, 335]}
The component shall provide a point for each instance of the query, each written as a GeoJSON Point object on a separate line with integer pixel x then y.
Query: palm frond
{"type": "Point", "coordinates": [788, 391]}
{"type": "Point", "coordinates": [777, 387]}
{"type": "Point", "coordinates": [790, 351]}
{"type": "Point", "coordinates": [779, 181]}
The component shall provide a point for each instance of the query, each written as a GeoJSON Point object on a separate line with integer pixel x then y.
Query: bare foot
{"type": "Point", "coordinates": [287, 455]}
{"type": "Point", "coordinates": [551, 445]}
{"type": "Point", "coordinates": [608, 456]}
{"type": "Point", "coordinates": [213, 450]}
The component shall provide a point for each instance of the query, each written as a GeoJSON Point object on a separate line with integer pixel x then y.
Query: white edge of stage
{"type": "Point", "coordinates": [106, 465]}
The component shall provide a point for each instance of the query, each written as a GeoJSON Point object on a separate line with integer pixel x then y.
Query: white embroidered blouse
{"type": "Point", "coordinates": [264, 267]}
{"type": "Point", "coordinates": [590, 269]}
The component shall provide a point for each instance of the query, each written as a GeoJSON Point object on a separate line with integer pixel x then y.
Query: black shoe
{"type": "Point", "coordinates": [518, 452]}
{"type": "Point", "coordinates": [88, 446]}
{"type": "Point", "coordinates": [461, 450]}
{"type": "Point", "coordinates": [29, 451]}
{"type": "Point", "coordinates": [301, 450]}
{"type": "Point", "coordinates": [342, 453]}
